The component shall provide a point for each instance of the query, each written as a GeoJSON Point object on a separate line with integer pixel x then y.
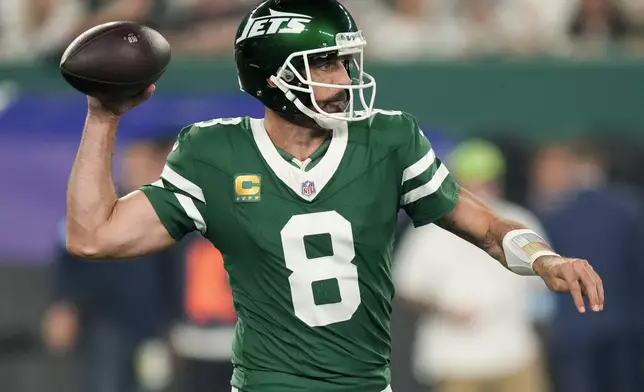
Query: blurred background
{"type": "Point", "coordinates": [534, 104]}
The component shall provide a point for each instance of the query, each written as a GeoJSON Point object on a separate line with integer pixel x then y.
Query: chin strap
{"type": "Point", "coordinates": [323, 121]}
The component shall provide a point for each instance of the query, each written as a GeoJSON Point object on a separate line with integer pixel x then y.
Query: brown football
{"type": "Point", "coordinates": [115, 60]}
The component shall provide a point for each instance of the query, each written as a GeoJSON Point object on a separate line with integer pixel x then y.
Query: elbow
{"type": "Point", "coordinates": [83, 248]}
{"type": "Point", "coordinates": [83, 251]}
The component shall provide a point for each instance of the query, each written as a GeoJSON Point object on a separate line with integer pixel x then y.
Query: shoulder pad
{"type": "Point", "coordinates": [218, 121]}
{"type": "Point", "coordinates": [390, 113]}
{"type": "Point", "coordinates": [212, 140]}
{"type": "Point", "coordinates": [393, 117]}
{"type": "Point", "coordinates": [396, 126]}
{"type": "Point", "coordinates": [208, 130]}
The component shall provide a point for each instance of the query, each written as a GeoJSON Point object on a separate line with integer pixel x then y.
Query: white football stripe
{"type": "Point", "coordinates": [428, 188]}
{"type": "Point", "coordinates": [182, 183]}
{"type": "Point", "coordinates": [191, 210]}
{"type": "Point", "coordinates": [419, 167]}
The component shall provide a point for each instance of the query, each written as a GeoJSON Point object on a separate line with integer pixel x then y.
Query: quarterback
{"type": "Point", "coordinates": [302, 204]}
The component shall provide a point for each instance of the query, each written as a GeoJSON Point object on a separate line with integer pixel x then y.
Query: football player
{"type": "Point", "coordinates": [302, 204]}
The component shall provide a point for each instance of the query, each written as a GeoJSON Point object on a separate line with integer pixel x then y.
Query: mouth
{"type": "Point", "coordinates": [339, 103]}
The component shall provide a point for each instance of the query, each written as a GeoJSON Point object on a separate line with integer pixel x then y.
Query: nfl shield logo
{"type": "Point", "coordinates": [308, 188]}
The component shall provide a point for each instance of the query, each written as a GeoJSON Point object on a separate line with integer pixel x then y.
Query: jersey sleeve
{"type": "Point", "coordinates": [177, 197]}
{"type": "Point", "coordinates": [428, 190]}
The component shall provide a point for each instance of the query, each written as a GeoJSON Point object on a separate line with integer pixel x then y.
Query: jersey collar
{"type": "Point", "coordinates": [311, 161]}
{"type": "Point", "coordinates": [306, 184]}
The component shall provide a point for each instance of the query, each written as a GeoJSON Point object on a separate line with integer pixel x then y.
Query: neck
{"type": "Point", "coordinates": [296, 140]}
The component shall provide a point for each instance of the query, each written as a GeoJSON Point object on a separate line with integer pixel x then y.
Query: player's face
{"type": "Point", "coordinates": [331, 70]}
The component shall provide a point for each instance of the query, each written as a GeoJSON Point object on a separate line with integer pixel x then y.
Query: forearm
{"type": "Point", "coordinates": [91, 194]}
{"type": "Point", "coordinates": [493, 242]}
{"type": "Point", "coordinates": [473, 221]}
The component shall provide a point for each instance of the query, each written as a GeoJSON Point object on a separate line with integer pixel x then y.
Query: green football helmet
{"type": "Point", "coordinates": [280, 39]}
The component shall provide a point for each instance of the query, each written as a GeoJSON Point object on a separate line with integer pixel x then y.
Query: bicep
{"type": "Point", "coordinates": [134, 229]}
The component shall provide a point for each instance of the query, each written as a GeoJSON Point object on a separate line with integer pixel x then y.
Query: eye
{"type": "Point", "coordinates": [326, 65]}
{"type": "Point", "coordinates": [326, 62]}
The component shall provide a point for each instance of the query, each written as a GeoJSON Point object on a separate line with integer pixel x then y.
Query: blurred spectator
{"type": "Point", "coordinates": [597, 24]}
{"type": "Point", "coordinates": [202, 338]}
{"type": "Point", "coordinates": [29, 28]}
{"type": "Point", "coordinates": [586, 215]}
{"type": "Point", "coordinates": [476, 332]}
{"type": "Point", "coordinates": [599, 19]}
{"type": "Point", "coordinates": [95, 12]}
{"type": "Point", "coordinates": [205, 27]}
{"type": "Point", "coordinates": [114, 316]}
{"type": "Point", "coordinates": [466, 28]}
{"type": "Point", "coordinates": [103, 11]}
{"type": "Point", "coordinates": [44, 28]}
{"type": "Point", "coordinates": [634, 11]}
{"type": "Point", "coordinates": [396, 29]}
{"type": "Point", "coordinates": [33, 29]}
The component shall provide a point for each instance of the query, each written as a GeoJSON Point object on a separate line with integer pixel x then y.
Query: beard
{"type": "Point", "coordinates": [336, 104]}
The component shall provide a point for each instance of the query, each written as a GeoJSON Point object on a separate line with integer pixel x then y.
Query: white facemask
{"type": "Point", "coordinates": [347, 44]}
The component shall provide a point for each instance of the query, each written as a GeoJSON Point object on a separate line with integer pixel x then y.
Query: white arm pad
{"type": "Point", "coordinates": [521, 248]}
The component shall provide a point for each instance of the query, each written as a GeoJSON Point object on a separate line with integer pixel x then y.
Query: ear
{"type": "Point", "coordinates": [270, 83]}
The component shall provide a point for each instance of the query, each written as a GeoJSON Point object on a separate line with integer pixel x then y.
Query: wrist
{"type": "Point", "coordinates": [522, 248]}
{"type": "Point", "coordinates": [103, 116]}
{"type": "Point", "coordinates": [540, 265]}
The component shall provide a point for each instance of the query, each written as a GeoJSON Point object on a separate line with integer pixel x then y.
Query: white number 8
{"type": "Point", "coordinates": [307, 271]}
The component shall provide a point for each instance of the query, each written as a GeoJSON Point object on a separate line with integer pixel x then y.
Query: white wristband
{"type": "Point", "coordinates": [521, 248]}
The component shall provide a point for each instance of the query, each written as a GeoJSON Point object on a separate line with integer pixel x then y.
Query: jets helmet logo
{"type": "Point", "coordinates": [275, 23]}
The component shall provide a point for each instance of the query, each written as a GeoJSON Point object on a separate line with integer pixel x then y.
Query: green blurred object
{"type": "Point", "coordinates": [534, 99]}
{"type": "Point", "coordinates": [476, 160]}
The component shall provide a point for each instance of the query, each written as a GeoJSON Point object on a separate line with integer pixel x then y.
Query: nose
{"type": "Point", "coordinates": [342, 75]}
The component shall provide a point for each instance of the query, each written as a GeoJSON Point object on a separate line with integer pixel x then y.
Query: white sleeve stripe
{"type": "Point", "coordinates": [428, 188]}
{"type": "Point", "coordinates": [182, 183]}
{"type": "Point", "coordinates": [419, 167]}
{"type": "Point", "coordinates": [191, 210]}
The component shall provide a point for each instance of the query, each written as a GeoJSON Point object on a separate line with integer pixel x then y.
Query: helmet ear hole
{"type": "Point", "coordinates": [270, 83]}
{"type": "Point", "coordinates": [288, 75]}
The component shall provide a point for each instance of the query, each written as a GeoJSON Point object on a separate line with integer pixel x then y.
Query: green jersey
{"type": "Point", "coordinates": [307, 245]}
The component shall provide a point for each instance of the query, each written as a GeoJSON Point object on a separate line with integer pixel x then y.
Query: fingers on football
{"type": "Point", "coordinates": [589, 282]}
{"type": "Point", "coordinates": [572, 279]}
{"type": "Point", "coordinates": [144, 95]}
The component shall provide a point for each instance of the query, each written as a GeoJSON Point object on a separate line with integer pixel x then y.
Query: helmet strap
{"type": "Point", "coordinates": [306, 117]}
